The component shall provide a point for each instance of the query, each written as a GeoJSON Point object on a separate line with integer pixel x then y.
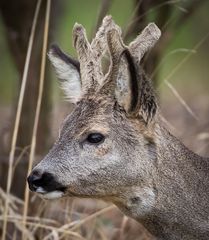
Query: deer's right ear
{"type": "Point", "coordinates": [133, 90]}
{"type": "Point", "coordinates": [68, 71]}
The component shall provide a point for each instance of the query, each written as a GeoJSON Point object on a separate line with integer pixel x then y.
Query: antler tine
{"type": "Point", "coordinates": [115, 44]}
{"type": "Point", "coordinates": [145, 41]}
{"type": "Point", "coordinates": [116, 48]}
{"type": "Point", "coordinates": [86, 58]}
{"type": "Point", "coordinates": [80, 41]}
{"type": "Point", "coordinates": [99, 43]}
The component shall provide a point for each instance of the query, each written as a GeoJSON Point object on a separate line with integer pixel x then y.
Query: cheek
{"type": "Point", "coordinates": [102, 151]}
{"type": "Point", "coordinates": [96, 151]}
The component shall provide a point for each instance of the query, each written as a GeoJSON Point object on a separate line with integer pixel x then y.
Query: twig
{"type": "Point", "coordinates": [96, 214]}
{"type": "Point", "coordinates": [181, 100]}
{"type": "Point", "coordinates": [17, 119]}
{"type": "Point", "coordinates": [187, 57]}
{"type": "Point", "coordinates": [76, 224]}
{"type": "Point", "coordinates": [19, 158]}
{"type": "Point", "coordinates": [44, 226]}
{"type": "Point", "coordinates": [38, 106]}
{"type": "Point", "coordinates": [178, 50]}
{"type": "Point", "coordinates": [189, 11]}
{"type": "Point", "coordinates": [129, 28]}
{"type": "Point", "coordinates": [104, 7]}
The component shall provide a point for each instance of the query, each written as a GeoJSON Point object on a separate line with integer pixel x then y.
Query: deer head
{"type": "Point", "coordinates": [106, 145]}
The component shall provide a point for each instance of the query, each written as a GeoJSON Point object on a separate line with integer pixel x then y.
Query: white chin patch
{"type": "Point", "coordinates": [49, 195]}
{"type": "Point", "coordinates": [52, 195]}
{"type": "Point", "coordinates": [40, 190]}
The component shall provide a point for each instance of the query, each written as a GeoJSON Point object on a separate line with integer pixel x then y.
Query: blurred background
{"type": "Point", "coordinates": [178, 66]}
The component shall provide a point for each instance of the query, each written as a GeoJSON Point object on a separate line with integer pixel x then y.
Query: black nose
{"type": "Point", "coordinates": [44, 180]}
{"type": "Point", "coordinates": [34, 180]}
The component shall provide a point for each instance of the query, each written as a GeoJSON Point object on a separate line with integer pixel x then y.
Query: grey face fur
{"type": "Point", "coordinates": [98, 170]}
{"type": "Point", "coordinates": [113, 145]}
{"type": "Point", "coordinates": [119, 105]}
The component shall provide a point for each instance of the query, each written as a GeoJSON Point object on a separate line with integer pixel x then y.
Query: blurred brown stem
{"type": "Point", "coordinates": [103, 11]}
{"type": "Point", "coordinates": [164, 11]}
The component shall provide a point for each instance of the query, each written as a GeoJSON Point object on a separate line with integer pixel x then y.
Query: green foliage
{"type": "Point", "coordinates": [86, 13]}
{"type": "Point", "coordinates": [9, 76]}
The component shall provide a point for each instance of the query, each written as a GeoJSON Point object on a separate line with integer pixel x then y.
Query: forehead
{"type": "Point", "coordinates": [89, 113]}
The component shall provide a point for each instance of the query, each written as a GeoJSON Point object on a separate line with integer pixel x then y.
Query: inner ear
{"type": "Point", "coordinates": [57, 52]}
{"type": "Point", "coordinates": [133, 83]}
{"type": "Point", "coordinates": [127, 87]}
{"type": "Point", "coordinates": [134, 90]}
{"type": "Point", "coordinates": [68, 71]}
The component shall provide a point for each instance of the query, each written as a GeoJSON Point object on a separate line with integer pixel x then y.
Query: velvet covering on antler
{"type": "Point", "coordinates": [125, 79]}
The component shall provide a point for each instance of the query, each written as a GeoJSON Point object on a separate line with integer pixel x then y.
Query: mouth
{"type": "Point", "coordinates": [50, 195]}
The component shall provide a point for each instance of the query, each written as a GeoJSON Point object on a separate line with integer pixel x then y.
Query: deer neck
{"type": "Point", "coordinates": [174, 204]}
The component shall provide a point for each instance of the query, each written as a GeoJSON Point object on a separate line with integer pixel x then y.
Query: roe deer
{"type": "Point", "coordinates": [113, 146]}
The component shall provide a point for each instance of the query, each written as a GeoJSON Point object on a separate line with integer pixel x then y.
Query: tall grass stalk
{"type": "Point", "coordinates": [38, 106]}
{"type": "Point", "coordinates": [187, 57]}
{"type": "Point", "coordinates": [176, 68]}
{"type": "Point", "coordinates": [76, 224]}
{"type": "Point", "coordinates": [18, 114]}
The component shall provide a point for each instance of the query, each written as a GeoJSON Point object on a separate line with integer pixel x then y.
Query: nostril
{"type": "Point", "coordinates": [34, 180]}
{"type": "Point", "coordinates": [36, 174]}
{"type": "Point", "coordinates": [44, 182]}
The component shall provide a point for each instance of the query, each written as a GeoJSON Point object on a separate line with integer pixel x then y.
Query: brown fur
{"type": "Point", "coordinates": [148, 173]}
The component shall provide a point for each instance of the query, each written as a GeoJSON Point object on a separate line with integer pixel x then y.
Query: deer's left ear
{"type": "Point", "coordinates": [134, 91]}
{"type": "Point", "coordinates": [68, 71]}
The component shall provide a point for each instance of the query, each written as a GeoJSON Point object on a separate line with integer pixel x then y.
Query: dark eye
{"type": "Point", "coordinates": [95, 138]}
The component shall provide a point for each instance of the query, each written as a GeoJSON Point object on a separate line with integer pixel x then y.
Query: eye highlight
{"type": "Point", "coordinates": [95, 138]}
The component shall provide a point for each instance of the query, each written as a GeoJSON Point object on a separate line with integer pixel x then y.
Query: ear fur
{"type": "Point", "coordinates": [68, 71]}
{"type": "Point", "coordinates": [133, 90]}
{"type": "Point", "coordinates": [147, 99]}
{"type": "Point", "coordinates": [126, 83]}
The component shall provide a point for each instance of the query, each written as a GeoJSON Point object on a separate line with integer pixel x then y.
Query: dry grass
{"type": "Point", "coordinates": [38, 107]}
{"type": "Point", "coordinates": [67, 220]}
{"type": "Point", "coordinates": [17, 119]}
{"type": "Point", "coordinates": [70, 219]}
{"type": "Point", "coordinates": [43, 220]}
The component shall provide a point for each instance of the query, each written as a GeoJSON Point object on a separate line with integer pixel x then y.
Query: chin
{"type": "Point", "coordinates": [52, 195]}
{"type": "Point", "coordinates": [56, 194]}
